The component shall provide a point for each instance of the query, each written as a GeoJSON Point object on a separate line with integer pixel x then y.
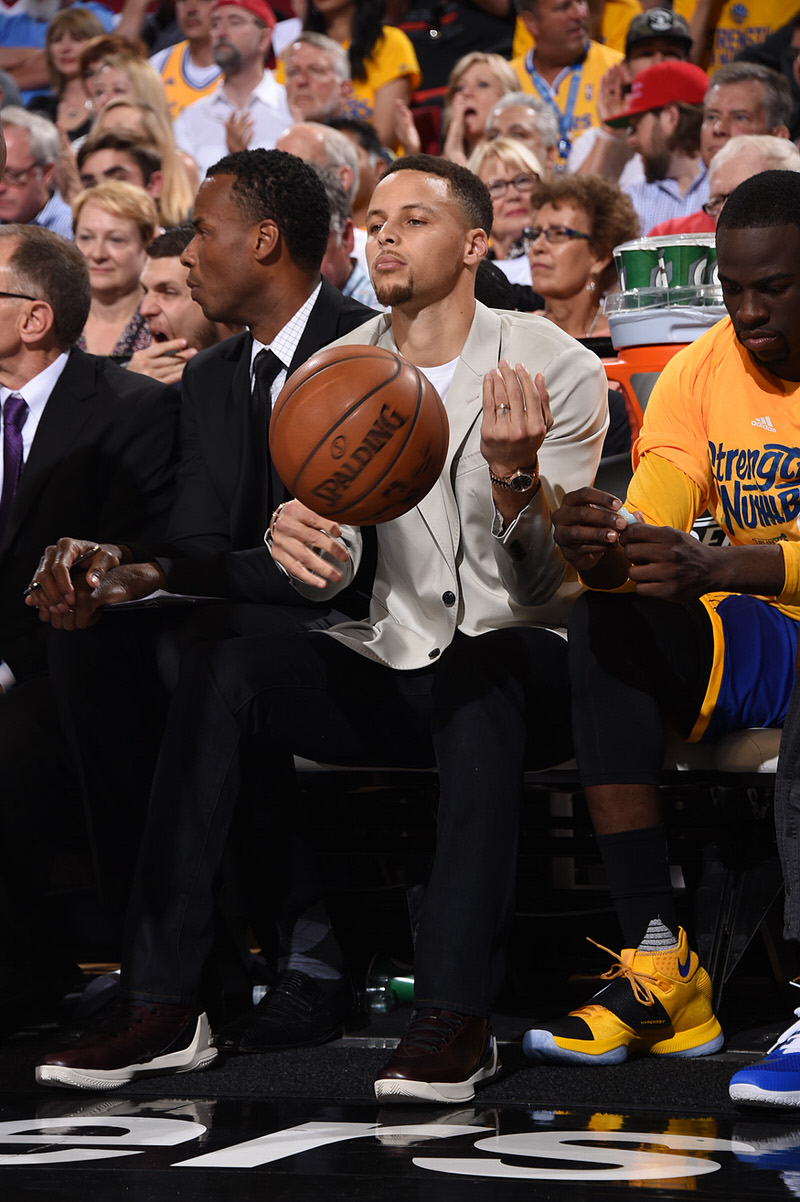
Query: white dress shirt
{"type": "Point", "coordinates": [285, 343]}
{"type": "Point", "coordinates": [200, 128]}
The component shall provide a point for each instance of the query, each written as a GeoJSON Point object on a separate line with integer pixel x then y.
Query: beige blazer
{"type": "Point", "coordinates": [448, 564]}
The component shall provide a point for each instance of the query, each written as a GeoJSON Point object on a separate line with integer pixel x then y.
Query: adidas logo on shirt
{"type": "Point", "coordinates": [765, 423]}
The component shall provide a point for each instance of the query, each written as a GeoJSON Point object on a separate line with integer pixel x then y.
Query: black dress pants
{"type": "Point", "coordinates": [489, 707]}
{"type": "Point", "coordinates": [40, 819]}
{"type": "Point", "coordinates": [113, 684]}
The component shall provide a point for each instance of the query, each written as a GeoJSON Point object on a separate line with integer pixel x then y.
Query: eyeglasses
{"type": "Point", "coordinates": [15, 179]}
{"type": "Point", "coordinates": [522, 183]}
{"type": "Point", "coordinates": [714, 205]}
{"type": "Point", "coordinates": [552, 234]}
{"type": "Point", "coordinates": [19, 295]}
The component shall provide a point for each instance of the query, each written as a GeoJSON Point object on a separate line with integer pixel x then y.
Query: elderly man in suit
{"type": "Point", "coordinates": [86, 446]}
{"type": "Point", "coordinates": [459, 664]}
{"type": "Point", "coordinates": [261, 223]}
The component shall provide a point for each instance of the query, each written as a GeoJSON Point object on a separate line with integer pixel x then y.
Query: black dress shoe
{"type": "Point", "coordinates": [299, 1012]}
{"type": "Point", "coordinates": [441, 1058]}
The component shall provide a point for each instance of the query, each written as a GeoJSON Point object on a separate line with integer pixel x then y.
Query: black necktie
{"type": "Point", "coordinates": [266, 368]}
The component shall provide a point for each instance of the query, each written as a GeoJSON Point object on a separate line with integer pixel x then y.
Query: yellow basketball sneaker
{"type": "Point", "coordinates": [656, 1003]}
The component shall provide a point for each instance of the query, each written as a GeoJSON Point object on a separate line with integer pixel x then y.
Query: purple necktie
{"type": "Point", "coordinates": [15, 413]}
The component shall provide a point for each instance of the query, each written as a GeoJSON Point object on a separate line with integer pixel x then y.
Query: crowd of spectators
{"type": "Point", "coordinates": [213, 77]}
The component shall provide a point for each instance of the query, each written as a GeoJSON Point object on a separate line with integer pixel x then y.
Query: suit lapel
{"type": "Point", "coordinates": [68, 409]}
{"type": "Point", "coordinates": [238, 444]}
{"type": "Point", "coordinates": [320, 329]}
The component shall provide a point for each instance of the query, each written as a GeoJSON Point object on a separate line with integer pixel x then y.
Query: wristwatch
{"type": "Point", "coordinates": [522, 480]}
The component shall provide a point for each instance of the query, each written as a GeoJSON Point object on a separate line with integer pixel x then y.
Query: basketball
{"type": "Point", "coordinates": [358, 434]}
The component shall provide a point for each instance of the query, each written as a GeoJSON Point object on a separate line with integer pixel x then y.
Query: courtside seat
{"type": "Point", "coordinates": [718, 806]}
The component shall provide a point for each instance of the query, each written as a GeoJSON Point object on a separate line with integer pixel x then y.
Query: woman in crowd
{"type": "Point", "coordinates": [383, 64]}
{"type": "Point", "coordinates": [97, 49]}
{"type": "Point", "coordinates": [476, 83]}
{"type": "Point", "coordinates": [180, 180]}
{"type": "Point", "coordinates": [68, 103]}
{"type": "Point", "coordinates": [579, 221]}
{"type": "Point", "coordinates": [512, 173]}
{"type": "Point", "coordinates": [126, 75]}
{"type": "Point", "coordinates": [113, 224]}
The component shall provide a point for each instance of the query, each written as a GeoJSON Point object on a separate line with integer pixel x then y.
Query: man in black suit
{"type": "Point", "coordinates": [259, 219]}
{"type": "Point", "coordinates": [90, 448]}
{"type": "Point", "coordinates": [261, 223]}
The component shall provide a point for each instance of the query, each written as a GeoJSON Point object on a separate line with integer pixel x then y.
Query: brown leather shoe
{"type": "Point", "coordinates": [441, 1058]}
{"type": "Point", "coordinates": [135, 1039]}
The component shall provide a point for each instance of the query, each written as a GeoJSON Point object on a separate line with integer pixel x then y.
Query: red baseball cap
{"type": "Point", "coordinates": [259, 9]}
{"type": "Point", "coordinates": [663, 83]}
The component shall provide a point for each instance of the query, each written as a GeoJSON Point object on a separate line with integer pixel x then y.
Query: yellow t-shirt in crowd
{"type": "Point", "coordinates": [617, 16]}
{"type": "Point", "coordinates": [745, 24]}
{"type": "Point", "coordinates": [591, 70]}
{"type": "Point", "coordinates": [393, 57]}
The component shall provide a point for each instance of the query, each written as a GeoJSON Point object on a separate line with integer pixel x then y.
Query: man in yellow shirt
{"type": "Point", "coordinates": [675, 630]}
{"type": "Point", "coordinates": [565, 67]}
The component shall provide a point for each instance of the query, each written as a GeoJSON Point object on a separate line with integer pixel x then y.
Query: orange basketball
{"type": "Point", "coordinates": [358, 434]}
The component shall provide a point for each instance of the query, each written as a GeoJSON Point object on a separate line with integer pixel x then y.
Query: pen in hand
{"type": "Point", "coordinates": [80, 559]}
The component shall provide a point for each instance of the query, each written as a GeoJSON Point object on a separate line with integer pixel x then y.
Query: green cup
{"type": "Point", "coordinates": [683, 260]}
{"type": "Point", "coordinates": [637, 264]}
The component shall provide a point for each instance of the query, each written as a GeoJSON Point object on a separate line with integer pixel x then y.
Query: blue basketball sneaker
{"type": "Point", "coordinates": [775, 1080]}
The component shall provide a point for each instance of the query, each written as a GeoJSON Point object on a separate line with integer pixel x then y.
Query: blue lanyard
{"type": "Point", "coordinates": [548, 96]}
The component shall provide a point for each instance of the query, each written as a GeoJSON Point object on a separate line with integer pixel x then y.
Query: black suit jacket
{"type": "Point", "coordinates": [218, 508]}
{"type": "Point", "coordinates": [101, 465]}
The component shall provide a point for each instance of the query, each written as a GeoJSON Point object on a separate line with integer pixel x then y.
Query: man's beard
{"type": "Point", "coordinates": [656, 166]}
{"type": "Point", "coordinates": [656, 161]}
{"type": "Point", "coordinates": [228, 58]}
{"type": "Point", "coordinates": [393, 292]}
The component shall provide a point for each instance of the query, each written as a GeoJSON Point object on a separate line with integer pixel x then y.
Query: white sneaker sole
{"type": "Point", "coordinates": [541, 1045]}
{"type": "Point", "coordinates": [394, 1090]}
{"type": "Point", "coordinates": [199, 1054]}
{"type": "Point", "coordinates": [752, 1095]}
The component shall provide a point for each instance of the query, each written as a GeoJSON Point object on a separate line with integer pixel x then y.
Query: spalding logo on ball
{"type": "Point", "coordinates": [358, 434]}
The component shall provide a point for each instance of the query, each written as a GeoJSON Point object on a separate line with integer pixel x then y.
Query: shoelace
{"type": "Point", "coordinates": [429, 1030]}
{"type": "Point", "coordinates": [635, 977]}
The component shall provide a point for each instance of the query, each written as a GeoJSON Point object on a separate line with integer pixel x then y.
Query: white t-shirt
{"type": "Point", "coordinates": [441, 376]}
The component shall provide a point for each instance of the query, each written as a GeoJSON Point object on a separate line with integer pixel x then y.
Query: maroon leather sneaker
{"type": "Point", "coordinates": [135, 1039]}
{"type": "Point", "coordinates": [441, 1058]}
